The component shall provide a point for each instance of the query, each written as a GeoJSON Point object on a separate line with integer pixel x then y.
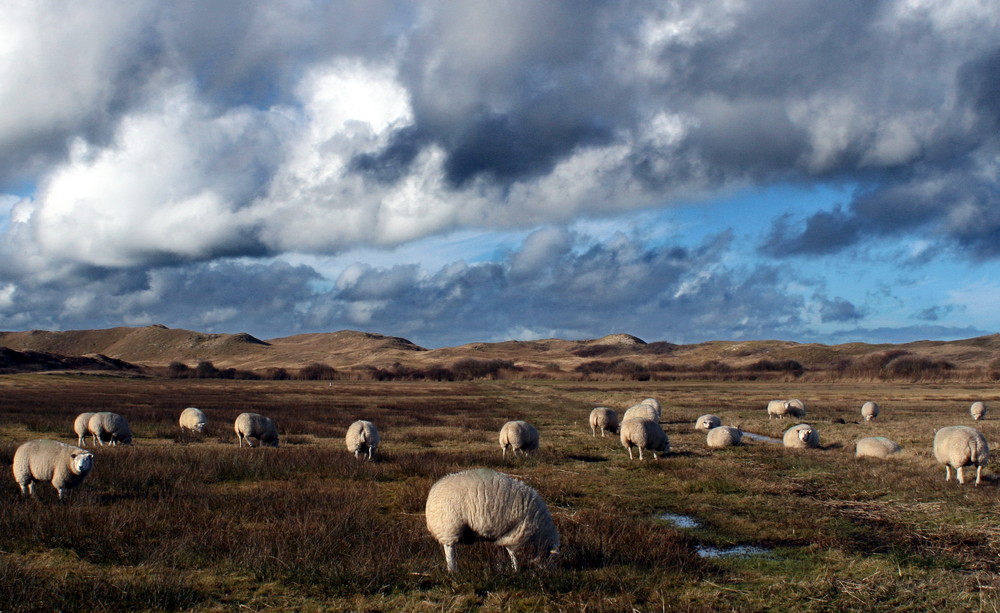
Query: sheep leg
{"type": "Point", "coordinates": [449, 557]}
{"type": "Point", "coordinates": [31, 488]}
{"type": "Point", "coordinates": [504, 452]}
{"type": "Point", "coordinates": [593, 431]}
{"type": "Point", "coordinates": [513, 558]}
{"type": "Point", "coordinates": [369, 453]}
{"type": "Point", "coordinates": [961, 477]}
{"type": "Point", "coordinates": [630, 452]}
{"type": "Point", "coordinates": [640, 454]}
{"type": "Point", "coordinates": [62, 492]}
{"type": "Point", "coordinates": [947, 472]}
{"type": "Point", "coordinates": [979, 474]}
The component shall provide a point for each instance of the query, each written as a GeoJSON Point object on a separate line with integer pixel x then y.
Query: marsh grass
{"type": "Point", "coordinates": [184, 521]}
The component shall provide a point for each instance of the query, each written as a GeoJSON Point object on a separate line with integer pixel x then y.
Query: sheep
{"type": "Point", "coordinates": [193, 419]}
{"type": "Point", "coordinates": [644, 434]}
{"type": "Point", "coordinates": [518, 436]}
{"type": "Point", "coordinates": [62, 465]}
{"type": "Point", "coordinates": [796, 408]}
{"type": "Point", "coordinates": [257, 426]}
{"type": "Point", "coordinates": [110, 428]}
{"type": "Point", "coordinates": [653, 402]}
{"type": "Point", "coordinates": [642, 411]}
{"type": "Point", "coordinates": [604, 418]}
{"type": "Point", "coordinates": [960, 446]}
{"type": "Point", "coordinates": [707, 422]}
{"type": "Point", "coordinates": [362, 437]}
{"type": "Point", "coordinates": [875, 447]}
{"type": "Point", "coordinates": [485, 505]}
{"type": "Point", "coordinates": [81, 425]}
{"type": "Point", "coordinates": [978, 410]}
{"type": "Point", "coordinates": [869, 410]}
{"type": "Point", "coordinates": [777, 409]}
{"type": "Point", "coordinates": [802, 436]}
{"type": "Point", "coordinates": [724, 436]}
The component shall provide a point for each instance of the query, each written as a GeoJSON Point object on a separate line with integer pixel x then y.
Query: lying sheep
{"type": "Point", "coordinates": [960, 446]}
{"type": "Point", "coordinates": [362, 437]}
{"type": "Point", "coordinates": [62, 465]}
{"type": "Point", "coordinates": [724, 436]}
{"type": "Point", "coordinates": [257, 426]}
{"type": "Point", "coordinates": [642, 411]}
{"type": "Point", "coordinates": [707, 422]}
{"type": "Point", "coordinates": [110, 428]}
{"type": "Point", "coordinates": [193, 419]}
{"type": "Point", "coordinates": [644, 434]}
{"type": "Point", "coordinates": [802, 436]}
{"type": "Point", "coordinates": [604, 418]}
{"type": "Point", "coordinates": [485, 505]}
{"type": "Point", "coordinates": [875, 447]}
{"type": "Point", "coordinates": [869, 410]}
{"type": "Point", "coordinates": [978, 410]}
{"type": "Point", "coordinates": [518, 436]}
{"type": "Point", "coordinates": [81, 425]}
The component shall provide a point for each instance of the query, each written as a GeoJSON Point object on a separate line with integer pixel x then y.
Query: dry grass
{"type": "Point", "coordinates": [191, 522]}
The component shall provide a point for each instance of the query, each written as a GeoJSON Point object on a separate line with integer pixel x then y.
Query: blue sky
{"type": "Point", "coordinates": [469, 171]}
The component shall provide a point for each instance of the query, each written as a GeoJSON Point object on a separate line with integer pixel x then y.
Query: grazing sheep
{"type": "Point", "coordinates": [978, 410]}
{"type": "Point", "coordinates": [110, 428]}
{"type": "Point", "coordinates": [802, 436]}
{"type": "Point", "coordinates": [777, 409]}
{"type": "Point", "coordinates": [518, 436]}
{"type": "Point", "coordinates": [869, 410]}
{"type": "Point", "coordinates": [644, 434]}
{"type": "Point", "coordinates": [81, 425]}
{"type": "Point", "coordinates": [960, 446]}
{"type": "Point", "coordinates": [193, 419]}
{"type": "Point", "coordinates": [257, 426]}
{"type": "Point", "coordinates": [653, 402]}
{"type": "Point", "coordinates": [707, 422]}
{"type": "Point", "coordinates": [485, 505]}
{"type": "Point", "coordinates": [604, 418]}
{"type": "Point", "coordinates": [796, 408]}
{"type": "Point", "coordinates": [362, 437]}
{"type": "Point", "coordinates": [875, 447]}
{"type": "Point", "coordinates": [724, 436]}
{"type": "Point", "coordinates": [62, 465]}
{"type": "Point", "coordinates": [642, 411]}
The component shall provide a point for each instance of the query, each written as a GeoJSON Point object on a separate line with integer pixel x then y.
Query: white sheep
{"type": "Point", "coordinates": [484, 505]}
{"type": "Point", "coordinates": [110, 428]}
{"type": "Point", "coordinates": [604, 418]}
{"type": "Point", "coordinates": [777, 409]}
{"type": "Point", "coordinates": [802, 436]}
{"type": "Point", "coordinates": [255, 425]}
{"type": "Point", "coordinates": [362, 437]}
{"type": "Point", "coordinates": [796, 408]}
{"type": "Point", "coordinates": [644, 434]}
{"type": "Point", "coordinates": [642, 411]}
{"type": "Point", "coordinates": [875, 447]}
{"type": "Point", "coordinates": [707, 422]}
{"type": "Point", "coordinates": [960, 446]}
{"type": "Point", "coordinates": [869, 410]}
{"type": "Point", "coordinates": [978, 410]}
{"type": "Point", "coordinates": [81, 425]}
{"type": "Point", "coordinates": [653, 402]}
{"type": "Point", "coordinates": [193, 419]}
{"type": "Point", "coordinates": [724, 436]}
{"type": "Point", "coordinates": [43, 460]}
{"type": "Point", "coordinates": [518, 436]}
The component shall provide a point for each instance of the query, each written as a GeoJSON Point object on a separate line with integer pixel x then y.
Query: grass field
{"type": "Point", "coordinates": [192, 522]}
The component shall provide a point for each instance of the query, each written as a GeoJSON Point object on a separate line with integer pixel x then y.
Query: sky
{"type": "Point", "coordinates": [487, 170]}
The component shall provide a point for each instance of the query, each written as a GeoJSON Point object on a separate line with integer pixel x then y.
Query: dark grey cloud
{"type": "Point", "coordinates": [838, 310]}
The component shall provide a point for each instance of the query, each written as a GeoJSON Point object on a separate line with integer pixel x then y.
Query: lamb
{"type": "Point", "coordinates": [62, 465]}
{"type": "Point", "coordinates": [869, 410]}
{"type": "Point", "coordinates": [960, 446]}
{"type": "Point", "coordinates": [724, 436]}
{"type": "Point", "coordinates": [518, 436]}
{"type": "Point", "coordinates": [110, 428]}
{"type": "Point", "coordinates": [642, 411]}
{"type": "Point", "coordinates": [644, 434]}
{"type": "Point", "coordinates": [978, 410]}
{"type": "Point", "coordinates": [604, 418]}
{"type": "Point", "coordinates": [485, 505]}
{"type": "Point", "coordinates": [362, 437]}
{"type": "Point", "coordinates": [802, 436]}
{"type": "Point", "coordinates": [257, 426]}
{"type": "Point", "coordinates": [875, 447]}
{"type": "Point", "coordinates": [81, 425]}
{"type": "Point", "coordinates": [707, 422]}
{"type": "Point", "coordinates": [193, 419]}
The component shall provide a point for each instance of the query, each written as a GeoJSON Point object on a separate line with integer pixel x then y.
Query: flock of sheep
{"type": "Point", "coordinates": [483, 504]}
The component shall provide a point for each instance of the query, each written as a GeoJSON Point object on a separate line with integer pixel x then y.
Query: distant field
{"type": "Point", "coordinates": [193, 523]}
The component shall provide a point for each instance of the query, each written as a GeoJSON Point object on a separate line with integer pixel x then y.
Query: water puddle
{"type": "Point", "coordinates": [761, 438]}
{"type": "Point", "coordinates": [737, 551]}
{"type": "Point", "coordinates": [680, 521]}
